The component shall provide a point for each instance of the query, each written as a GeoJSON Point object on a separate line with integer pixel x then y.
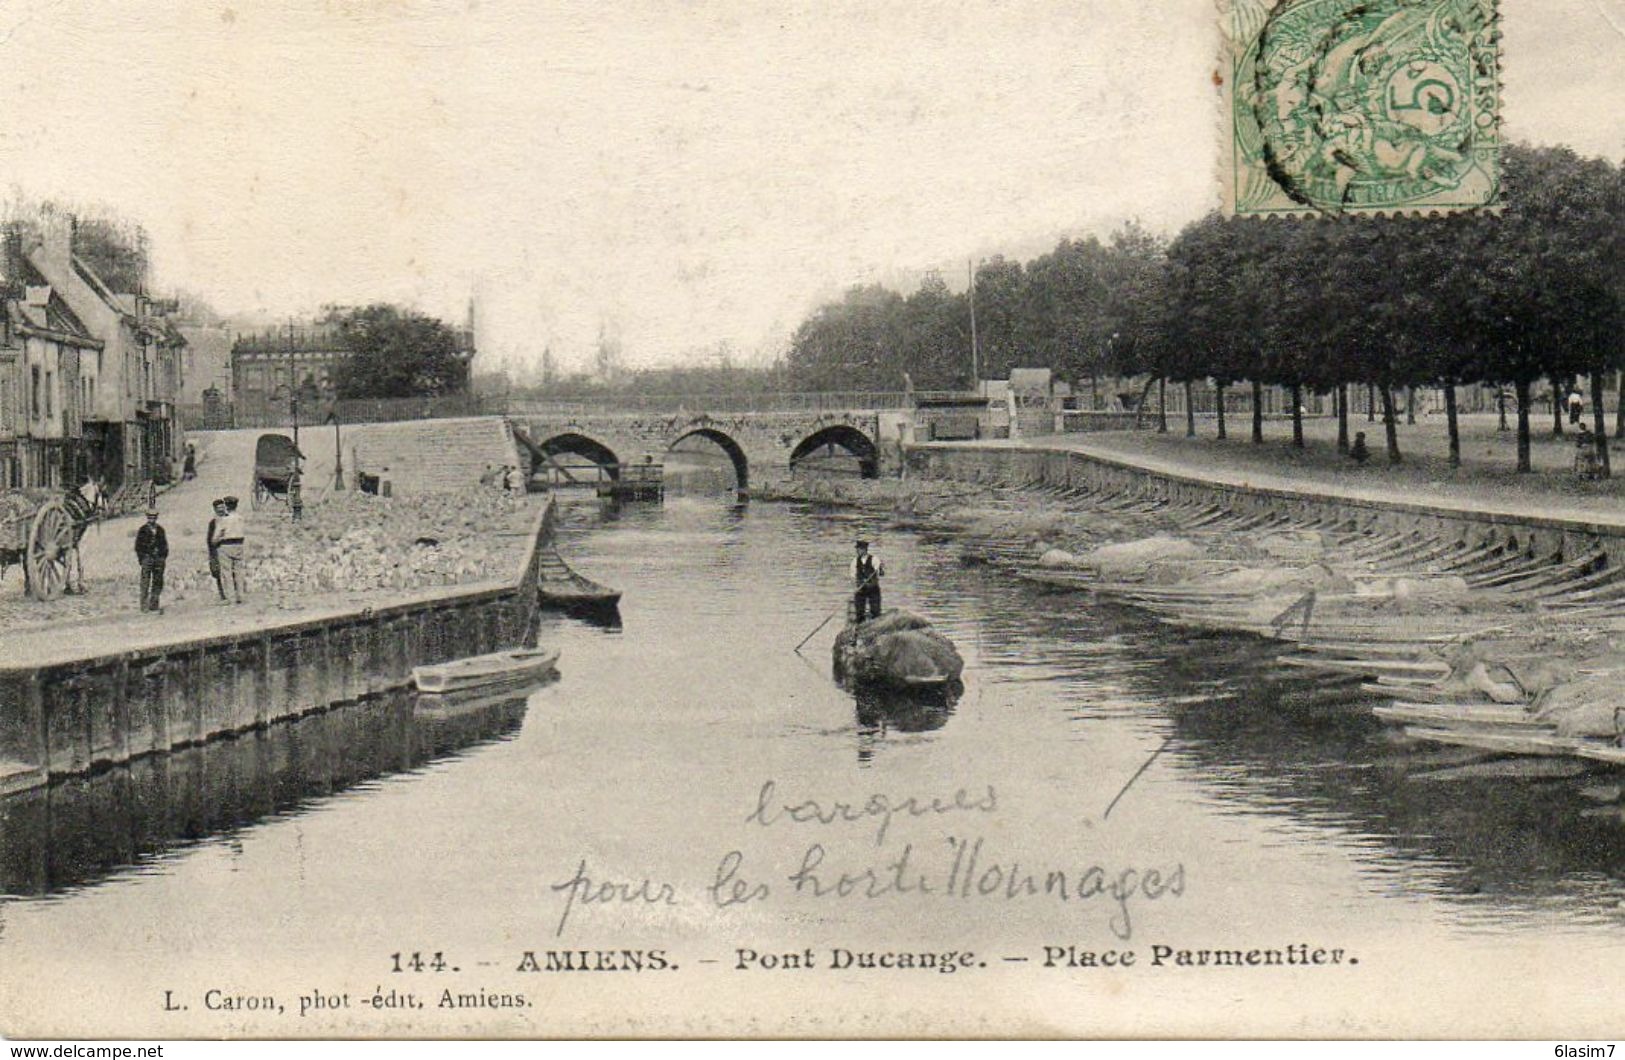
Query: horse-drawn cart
{"type": "Point", "coordinates": [276, 462]}
{"type": "Point", "coordinates": [40, 531]}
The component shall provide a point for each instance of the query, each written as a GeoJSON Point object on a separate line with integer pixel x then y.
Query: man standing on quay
{"type": "Point", "coordinates": [228, 540]}
{"type": "Point", "coordinates": [214, 549]}
{"type": "Point", "coordinates": [152, 552]}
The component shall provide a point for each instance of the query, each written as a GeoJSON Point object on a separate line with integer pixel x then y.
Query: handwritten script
{"type": "Point", "coordinates": [770, 809]}
{"type": "Point", "coordinates": [962, 868]}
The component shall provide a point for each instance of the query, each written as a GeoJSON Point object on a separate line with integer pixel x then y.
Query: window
{"type": "Point", "coordinates": [34, 405]}
{"type": "Point", "coordinates": [50, 386]}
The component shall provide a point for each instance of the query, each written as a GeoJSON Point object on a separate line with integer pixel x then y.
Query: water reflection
{"type": "Point", "coordinates": [80, 830]}
{"type": "Point", "coordinates": [607, 619]}
{"type": "Point", "coordinates": [1263, 740]}
{"type": "Point", "coordinates": [884, 711]}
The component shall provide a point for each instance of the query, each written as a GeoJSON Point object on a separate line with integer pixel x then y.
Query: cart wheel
{"type": "Point", "coordinates": [51, 548]}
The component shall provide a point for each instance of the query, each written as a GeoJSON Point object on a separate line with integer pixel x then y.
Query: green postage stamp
{"type": "Point", "coordinates": [1361, 106]}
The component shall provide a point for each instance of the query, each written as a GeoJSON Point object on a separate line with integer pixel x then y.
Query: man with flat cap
{"type": "Point", "coordinates": [152, 552]}
{"type": "Point", "coordinates": [867, 571]}
{"type": "Point", "coordinates": [228, 541]}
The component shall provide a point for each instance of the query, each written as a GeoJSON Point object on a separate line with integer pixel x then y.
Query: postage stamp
{"type": "Point", "coordinates": [1361, 106]}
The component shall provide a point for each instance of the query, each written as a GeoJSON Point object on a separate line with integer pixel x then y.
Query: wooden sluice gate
{"type": "Point", "coordinates": [66, 709]}
{"type": "Point", "coordinates": [1505, 627]}
{"type": "Point", "coordinates": [636, 482]}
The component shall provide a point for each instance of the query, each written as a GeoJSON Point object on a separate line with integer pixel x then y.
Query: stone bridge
{"type": "Point", "coordinates": [761, 445]}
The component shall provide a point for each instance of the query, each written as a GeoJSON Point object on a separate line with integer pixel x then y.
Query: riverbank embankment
{"type": "Point", "coordinates": [72, 702]}
{"type": "Point", "coordinates": [1537, 524]}
{"type": "Point", "coordinates": [339, 605]}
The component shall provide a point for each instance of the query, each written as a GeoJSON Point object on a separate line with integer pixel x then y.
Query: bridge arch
{"type": "Point", "coordinates": [574, 443]}
{"type": "Point", "coordinates": [723, 441]}
{"type": "Point", "coordinates": [847, 437]}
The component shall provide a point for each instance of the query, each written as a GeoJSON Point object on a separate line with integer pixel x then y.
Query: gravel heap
{"type": "Point", "coordinates": [356, 542]}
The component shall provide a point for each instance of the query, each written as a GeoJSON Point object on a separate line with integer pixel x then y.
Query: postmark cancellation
{"type": "Point", "coordinates": [1360, 106]}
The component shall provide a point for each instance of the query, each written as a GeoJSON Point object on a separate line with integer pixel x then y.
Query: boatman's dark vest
{"type": "Point", "coordinates": [866, 571]}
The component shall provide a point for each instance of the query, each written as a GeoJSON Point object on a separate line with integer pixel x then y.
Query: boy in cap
{"type": "Point", "coordinates": [152, 552]}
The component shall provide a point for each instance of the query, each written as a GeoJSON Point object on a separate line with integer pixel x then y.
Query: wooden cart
{"type": "Point", "coordinates": [40, 531]}
{"type": "Point", "coordinates": [276, 461]}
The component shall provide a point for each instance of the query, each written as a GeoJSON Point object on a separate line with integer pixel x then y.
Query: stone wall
{"type": "Point", "coordinates": [73, 716]}
{"type": "Point", "coordinates": [1534, 535]}
{"type": "Point", "coordinates": [430, 456]}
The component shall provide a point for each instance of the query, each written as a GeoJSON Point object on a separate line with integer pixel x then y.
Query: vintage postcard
{"type": "Point", "coordinates": [812, 520]}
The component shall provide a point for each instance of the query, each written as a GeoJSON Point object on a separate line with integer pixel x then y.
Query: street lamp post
{"type": "Point", "coordinates": [293, 393]}
{"type": "Point", "coordinates": [338, 455]}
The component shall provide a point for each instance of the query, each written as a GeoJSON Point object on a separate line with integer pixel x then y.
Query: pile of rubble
{"type": "Point", "coordinates": [352, 543]}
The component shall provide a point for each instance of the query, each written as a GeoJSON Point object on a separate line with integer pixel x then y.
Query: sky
{"type": "Point", "coordinates": [674, 174]}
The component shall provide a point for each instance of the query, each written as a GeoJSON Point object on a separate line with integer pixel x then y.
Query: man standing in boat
{"type": "Point", "coordinates": [867, 570]}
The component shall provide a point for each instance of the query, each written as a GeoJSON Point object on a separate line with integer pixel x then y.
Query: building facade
{"type": "Point", "coordinates": [266, 365]}
{"type": "Point", "coordinates": [109, 368]}
{"type": "Point", "coordinates": [43, 390]}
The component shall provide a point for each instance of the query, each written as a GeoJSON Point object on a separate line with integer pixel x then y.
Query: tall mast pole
{"type": "Point", "coordinates": [975, 366]}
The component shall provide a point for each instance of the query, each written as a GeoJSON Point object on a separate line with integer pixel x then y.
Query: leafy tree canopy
{"type": "Point", "coordinates": [396, 353]}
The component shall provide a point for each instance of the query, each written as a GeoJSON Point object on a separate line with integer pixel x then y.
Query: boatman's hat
{"type": "Point", "coordinates": [151, 510]}
{"type": "Point", "coordinates": [862, 543]}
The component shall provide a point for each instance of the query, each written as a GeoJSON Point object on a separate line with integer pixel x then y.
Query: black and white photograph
{"type": "Point", "coordinates": [784, 520]}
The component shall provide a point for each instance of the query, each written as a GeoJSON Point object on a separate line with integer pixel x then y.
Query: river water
{"type": "Point", "coordinates": [1271, 809]}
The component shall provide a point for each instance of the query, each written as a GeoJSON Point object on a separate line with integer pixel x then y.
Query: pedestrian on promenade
{"type": "Point", "coordinates": [214, 549]}
{"type": "Point", "coordinates": [1577, 405]}
{"type": "Point", "coordinates": [152, 552]}
{"type": "Point", "coordinates": [189, 467]}
{"type": "Point", "coordinates": [296, 495]}
{"type": "Point", "coordinates": [228, 539]}
{"type": "Point", "coordinates": [867, 570]}
{"type": "Point", "coordinates": [1359, 451]}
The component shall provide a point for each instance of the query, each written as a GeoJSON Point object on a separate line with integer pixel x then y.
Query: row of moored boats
{"type": "Point", "coordinates": [1490, 643]}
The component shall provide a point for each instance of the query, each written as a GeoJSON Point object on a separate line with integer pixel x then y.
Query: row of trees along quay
{"type": "Point", "coordinates": [1533, 291]}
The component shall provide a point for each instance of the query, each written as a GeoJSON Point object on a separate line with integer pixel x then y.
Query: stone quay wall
{"type": "Point", "coordinates": [1037, 465]}
{"type": "Point", "coordinates": [81, 714]}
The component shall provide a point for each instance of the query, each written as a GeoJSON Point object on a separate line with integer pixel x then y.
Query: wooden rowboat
{"type": "Point", "coordinates": [578, 593]}
{"type": "Point", "coordinates": [1459, 714]}
{"type": "Point", "coordinates": [1512, 743]}
{"type": "Point", "coordinates": [1598, 751]}
{"type": "Point", "coordinates": [562, 588]}
{"type": "Point", "coordinates": [499, 670]}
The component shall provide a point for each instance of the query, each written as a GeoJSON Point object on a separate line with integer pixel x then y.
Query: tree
{"type": "Point", "coordinates": [395, 353]}
{"type": "Point", "coordinates": [850, 344]}
{"type": "Point", "coordinates": [1066, 293]}
{"type": "Point", "coordinates": [606, 358]}
{"type": "Point", "coordinates": [1003, 317]}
